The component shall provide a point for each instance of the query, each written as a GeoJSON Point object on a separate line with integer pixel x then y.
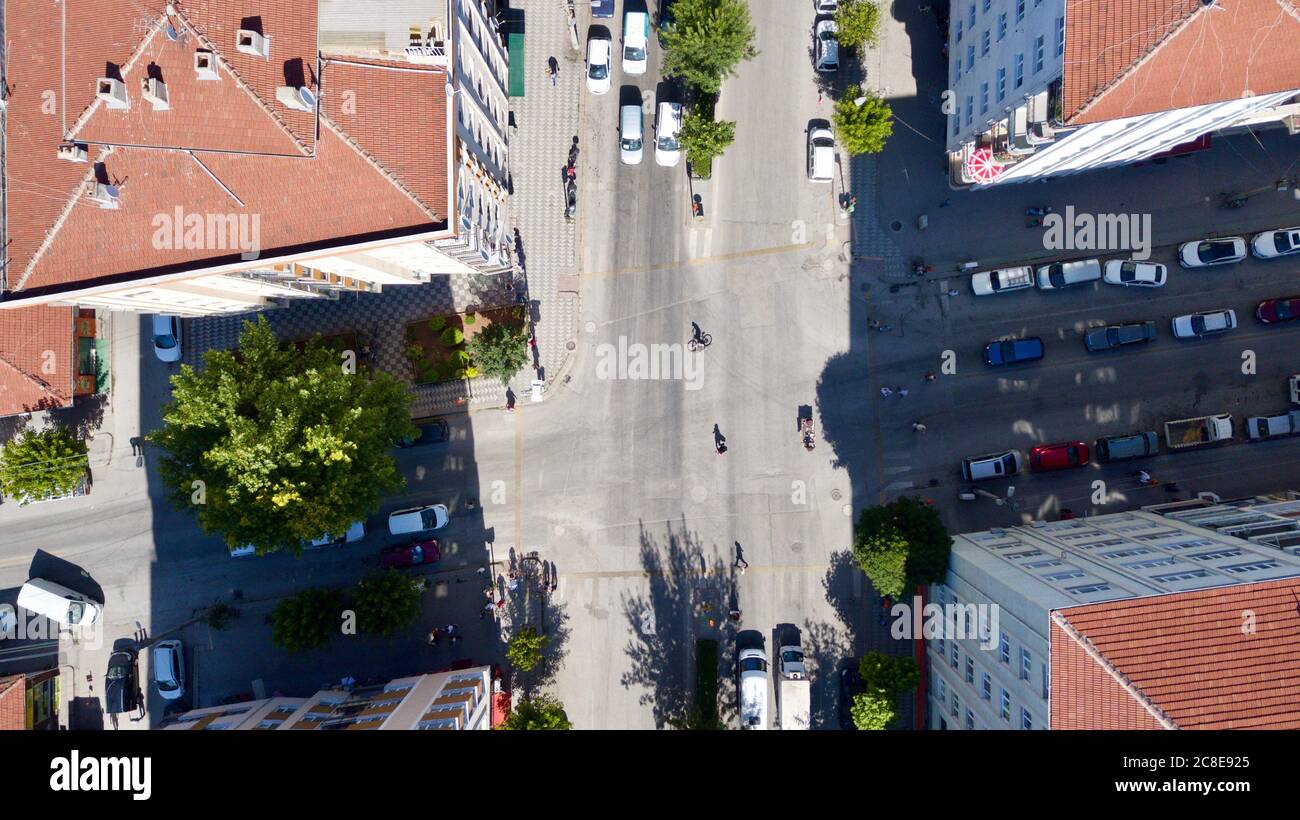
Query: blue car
{"type": "Point", "coordinates": [1013, 351]}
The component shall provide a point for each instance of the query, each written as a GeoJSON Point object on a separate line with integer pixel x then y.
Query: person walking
{"type": "Point", "coordinates": [486, 610]}
{"type": "Point", "coordinates": [885, 392]}
{"type": "Point", "coordinates": [902, 392]}
{"type": "Point", "coordinates": [741, 564]}
{"type": "Point", "coordinates": [930, 376]}
{"type": "Point", "coordinates": [918, 427]}
{"type": "Point", "coordinates": [553, 69]}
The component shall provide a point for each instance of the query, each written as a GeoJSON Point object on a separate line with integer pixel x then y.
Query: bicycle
{"type": "Point", "coordinates": [699, 342]}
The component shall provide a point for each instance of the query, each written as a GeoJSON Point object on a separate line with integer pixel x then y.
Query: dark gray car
{"type": "Point", "coordinates": [1109, 338]}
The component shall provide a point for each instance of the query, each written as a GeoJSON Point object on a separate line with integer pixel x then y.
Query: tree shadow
{"type": "Point", "coordinates": [530, 604]}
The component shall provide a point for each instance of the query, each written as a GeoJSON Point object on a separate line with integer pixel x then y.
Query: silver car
{"type": "Point", "coordinates": [167, 665]}
{"type": "Point", "coordinates": [630, 135]}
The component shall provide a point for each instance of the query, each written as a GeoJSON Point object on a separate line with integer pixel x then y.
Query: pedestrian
{"type": "Point", "coordinates": [918, 427]}
{"type": "Point", "coordinates": [884, 328]}
{"type": "Point", "coordinates": [853, 204]}
{"type": "Point", "coordinates": [873, 324]}
{"type": "Point", "coordinates": [902, 391]}
{"type": "Point", "coordinates": [741, 564]}
{"type": "Point", "coordinates": [451, 629]}
{"type": "Point", "coordinates": [501, 603]}
{"type": "Point", "coordinates": [434, 635]}
{"type": "Point", "coordinates": [486, 610]}
{"type": "Point", "coordinates": [885, 392]}
{"type": "Point", "coordinates": [734, 615]}
{"type": "Point", "coordinates": [945, 203]}
{"type": "Point", "coordinates": [512, 584]}
{"type": "Point", "coordinates": [553, 68]}
{"type": "Point", "coordinates": [455, 639]}
{"type": "Point", "coordinates": [953, 292]}
{"type": "Point", "coordinates": [1143, 477]}
{"type": "Point", "coordinates": [930, 376]}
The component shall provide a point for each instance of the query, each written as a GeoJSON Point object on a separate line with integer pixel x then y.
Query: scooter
{"type": "Point", "coordinates": [1043, 211]}
{"type": "Point", "coordinates": [571, 199]}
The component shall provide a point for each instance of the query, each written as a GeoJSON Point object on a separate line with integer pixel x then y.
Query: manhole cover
{"type": "Point", "coordinates": [896, 226]}
{"type": "Point", "coordinates": [698, 494]}
{"type": "Point", "coordinates": [591, 327]}
{"type": "Point", "coordinates": [848, 510]}
{"type": "Point", "coordinates": [836, 495]}
{"type": "Point", "coordinates": [570, 345]}
{"type": "Point", "coordinates": [796, 547]}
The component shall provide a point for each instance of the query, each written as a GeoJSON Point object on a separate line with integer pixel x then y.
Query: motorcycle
{"type": "Point", "coordinates": [570, 199]}
{"type": "Point", "coordinates": [1042, 211]}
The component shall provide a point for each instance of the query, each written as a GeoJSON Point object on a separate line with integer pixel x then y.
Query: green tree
{"type": "Point", "coordinates": [863, 124]}
{"type": "Point", "coordinates": [386, 603]}
{"type": "Point", "coordinates": [704, 138]}
{"type": "Point", "coordinates": [307, 620]}
{"type": "Point", "coordinates": [525, 649]}
{"type": "Point", "coordinates": [706, 40]}
{"type": "Point", "coordinates": [892, 674]}
{"type": "Point", "coordinates": [873, 710]}
{"type": "Point", "coordinates": [542, 712]}
{"type": "Point", "coordinates": [35, 465]}
{"type": "Point", "coordinates": [901, 544]}
{"type": "Point", "coordinates": [858, 22]}
{"type": "Point", "coordinates": [500, 350]}
{"type": "Point", "coordinates": [271, 447]}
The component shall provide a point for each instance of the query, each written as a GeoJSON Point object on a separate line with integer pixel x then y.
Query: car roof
{"type": "Point", "coordinates": [599, 46]}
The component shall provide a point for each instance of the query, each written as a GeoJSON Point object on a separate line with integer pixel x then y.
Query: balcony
{"type": "Point", "coordinates": [434, 54]}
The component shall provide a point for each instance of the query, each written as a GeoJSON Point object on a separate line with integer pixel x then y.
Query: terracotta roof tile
{"type": "Point", "coordinates": [1124, 58]}
{"type": "Point", "coordinates": [37, 359]}
{"type": "Point", "coordinates": [13, 703]}
{"type": "Point", "coordinates": [1222, 658]}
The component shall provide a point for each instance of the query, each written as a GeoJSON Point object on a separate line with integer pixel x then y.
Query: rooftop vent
{"type": "Point", "coordinates": [299, 99]}
{"type": "Point", "coordinates": [105, 196]}
{"type": "Point", "coordinates": [72, 152]}
{"type": "Point", "coordinates": [113, 92]}
{"type": "Point", "coordinates": [205, 65]}
{"type": "Point", "coordinates": [155, 91]}
{"type": "Point", "coordinates": [250, 42]}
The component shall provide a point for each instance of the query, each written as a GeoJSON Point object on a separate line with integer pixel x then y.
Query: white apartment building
{"type": "Point", "coordinates": [1055, 87]}
{"type": "Point", "coordinates": [1029, 572]}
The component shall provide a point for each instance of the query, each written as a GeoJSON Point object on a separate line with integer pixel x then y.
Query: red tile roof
{"type": "Point", "coordinates": [1124, 58]}
{"type": "Point", "coordinates": [37, 359]}
{"type": "Point", "coordinates": [1222, 658]}
{"type": "Point", "coordinates": [13, 703]}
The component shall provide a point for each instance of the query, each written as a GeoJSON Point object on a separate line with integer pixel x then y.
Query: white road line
{"type": "Point", "coordinates": [899, 485]}
{"type": "Point", "coordinates": [896, 470]}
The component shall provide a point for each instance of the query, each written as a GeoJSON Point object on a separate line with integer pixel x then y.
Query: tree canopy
{"type": "Point", "coordinates": [706, 40]}
{"type": "Point", "coordinates": [272, 446]}
{"type": "Point", "coordinates": [386, 603]}
{"type": "Point", "coordinates": [858, 22]}
{"type": "Point", "coordinates": [542, 712]}
{"type": "Point", "coordinates": [704, 138]}
{"type": "Point", "coordinates": [525, 649]}
{"type": "Point", "coordinates": [35, 465]}
{"type": "Point", "coordinates": [862, 128]}
{"type": "Point", "coordinates": [500, 350]}
{"type": "Point", "coordinates": [901, 544]}
{"type": "Point", "coordinates": [892, 674]}
{"type": "Point", "coordinates": [306, 620]}
{"type": "Point", "coordinates": [873, 710]}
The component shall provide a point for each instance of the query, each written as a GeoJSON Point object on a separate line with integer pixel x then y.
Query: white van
{"type": "Point", "coordinates": [821, 155]}
{"type": "Point", "coordinates": [1066, 274]}
{"type": "Point", "coordinates": [58, 603]}
{"type": "Point", "coordinates": [630, 142]}
{"type": "Point", "coordinates": [636, 37]}
{"type": "Point", "coordinates": [355, 533]}
{"type": "Point", "coordinates": [753, 688]}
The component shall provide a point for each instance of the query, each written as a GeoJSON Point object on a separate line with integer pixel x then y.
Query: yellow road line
{"type": "Point", "coordinates": [704, 260]}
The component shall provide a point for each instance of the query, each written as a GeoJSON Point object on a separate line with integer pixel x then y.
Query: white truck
{"type": "Point", "coordinates": [1277, 425]}
{"type": "Point", "coordinates": [1187, 433]}
{"type": "Point", "coordinates": [793, 692]}
{"type": "Point", "coordinates": [752, 665]}
{"type": "Point", "coordinates": [1294, 384]}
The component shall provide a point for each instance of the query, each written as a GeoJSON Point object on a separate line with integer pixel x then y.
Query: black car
{"type": "Point", "coordinates": [1109, 338]}
{"type": "Point", "coordinates": [850, 685]}
{"type": "Point", "coordinates": [121, 684]}
{"type": "Point", "coordinates": [430, 431]}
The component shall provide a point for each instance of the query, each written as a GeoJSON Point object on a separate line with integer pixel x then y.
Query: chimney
{"type": "Point", "coordinates": [105, 196]}
{"type": "Point", "coordinates": [299, 99]}
{"type": "Point", "coordinates": [205, 65]}
{"type": "Point", "coordinates": [250, 42]}
{"type": "Point", "coordinates": [155, 91]}
{"type": "Point", "coordinates": [113, 93]}
{"type": "Point", "coordinates": [72, 152]}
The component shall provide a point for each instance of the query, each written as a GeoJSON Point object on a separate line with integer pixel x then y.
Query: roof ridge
{"type": "Point", "coordinates": [97, 103]}
{"type": "Point", "coordinates": [1169, 35]}
{"type": "Point", "coordinates": [1128, 686]}
{"type": "Point", "coordinates": [73, 199]}
{"type": "Point", "coordinates": [374, 162]}
{"type": "Point", "coordinates": [31, 377]}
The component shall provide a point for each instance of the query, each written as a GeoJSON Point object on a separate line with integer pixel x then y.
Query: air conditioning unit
{"type": "Point", "coordinates": [251, 42]}
{"type": "Point", "coordinates": [299, 99]}
{"type": "Point", "coordinates": [113, 92]}
{"type": "Point", "coordinates": [72, 152]}
{"type": "Point", "coordinates": [105, 196]}
{"type": "Point", "coordinates": [205, 65]}
{"type": "Point", "coordinates": [155, 91]}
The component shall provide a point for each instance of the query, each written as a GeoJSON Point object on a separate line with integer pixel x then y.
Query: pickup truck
{"type": "Point", "coordinates": [1277, 425]}
{"type": "Point", "coordinates": [1185, 433]}
{"type": "Point", "coordinates": [794, 694]}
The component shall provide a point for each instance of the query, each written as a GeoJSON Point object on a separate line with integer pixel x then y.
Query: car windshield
{"type": "Point", "coordinates": [417, 555]}
{"type": "Point", "coordinates": [753, 665]}
{"type": "Point", "coordinates": [827, 34]}
{"type": "Point", "coordinates": [1285, 308]}
{"type": "Point", "coordinates": [599, 71]}
{"type": "Point", "coordinates": [634, 54]}
{"type": "Point", "coordinates": [167, 685]}
{"type": "Point", "coordinates": [117, 671]}
{"type": "Point", "coordinates": [1213, 251]}
{"type": "Point", "coordinates": [1056, 275]}
{"type": "Point", "coordinates": [429, 519]}
{"type": "Point", "coordinates": [631, 145]}
{"type": "Point", "coordinates": [1198, 324]}
{"type": "Point", "coordinates": [1112, 336]}
{"type": "Point", "coordinates": [165, 342]}
{"type": "Point", "coordinates": [1286, 241]}
{"type": "Point", "coordinates": [668, 142]}
{"type": "Point", "coordinates": [76, 612]}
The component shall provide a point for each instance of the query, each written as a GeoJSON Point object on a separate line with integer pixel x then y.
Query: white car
{"type": "Point", "coordinates": [752, 665]}
{"type": "Point", "coordinates": [418, 519]}
{"type": "Point", "coordinates": [1207, 323]}
{"type": "Point", "coordinates": [992, 465]}
{"type": "Point", "coordinates": [1272, 244]}
{"type": "Point", "coordinates": [636, 38]}
{"type": "Point", "coordinates": [989, 282]}
{"type": "Point", "coordinates": [668, 124]}
{"type": "Point", "coordinates": [167, 665]}
{"type": "Point", "coordinates": [599, 51]}
{"type": "Point", "coordinates": [1133, 273]}
{"type": "Point", "coordinates": [1207, 252]}
{"type": "Point", "coordinates": [821, 155]}
{"type": "Point", "coordinates": [167, 337]}
{"type": "Point", "coordinates": [827, 6]}
{"type": "Point", "coordinates": [355, 533]}
{"type": "Point", "coordinates": [631, 141]}
{"type": "Point", "coordinates": [826, 46]}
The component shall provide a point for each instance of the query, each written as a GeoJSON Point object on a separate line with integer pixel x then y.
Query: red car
{"type": "Point", "coordinates": [1278, 310]}
{"type": "Point", "coordinates": [1047, 457]}
{"type": "Point", "coordinates": [410, 555]}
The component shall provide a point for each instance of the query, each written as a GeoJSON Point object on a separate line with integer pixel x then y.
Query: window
{"type": "Point", "coordinates": [1045, 688]}
{"type": "Point", "coordinates": [984, 43]}
{"type": "Point", "coordinates": [942, 690]}
{"type": "Point", "coordinates": [1126, 553]}
{"type": "Point", "coordinates": [1210, 556]}
{"type": "Point", "coordinates": [1064, 574]}
{"type": "Point", "coordinates": [970, 110]}
{"type": "Point", "coordinates": [1002, 26]}
{"type": "Point", "coordinates": [1182, 576]}
{"type": "Point", "coordinates": [1002, 93]}
{"type": "Point", "coordinates": [1020, 69]}
{"type": "Point", "coordinates": [956, 121]}
{"type": "Point", "coordinates": [970, 719]}
{"type": "Point", "coordinates": [984, 98]}
{"type": "Point", "coordinates": [1026, 663]}
{"type": "Point", "coordinates": [956, 706]}
{"type": "Point", "coordinates": [1148, 563]}
{"type": "Point", "coordinates": [938, 645]}
{"type": "Point", "coordinates": [986, 685]}
{"type": "Point", "coordinates": [955, 655]}
{"type": "Point", "coordinates": [956, 72]}
{"type": "Point", "coordinates": [970, 57]}
{"type": "Point", "coordinates": [1267, 563]}
{"type": "Point", "coordinates": [1006, 705]}
{"type": "Point", "coordinates": [971, 16]}
{"type": "Point", "coordinates": [1060, 36]}
{"type": "Point", "coordinates": [1004, 647]}
{"type": "Point", "coordinates": [988, 4]}
{"type": "Point", "coordinates": [1026, 722]}
{"type": "Point", "coordinates": [958, 37]}
{"type": "Point", "coordinates": [1020, 10]}
{"type": "Point", "coordinates": [1039, 50]}
{"type": "Point", "coordinates": [1048, 562]}
{"type": "Point", "coordinates": [1087, 589]}
{"type": "Point", "coordinates": [970, 669]}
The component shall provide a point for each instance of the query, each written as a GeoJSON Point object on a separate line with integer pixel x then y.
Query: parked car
{"type": "Point", "coordinates": [636, 37]}
{"type": "Point", "coordinates": [1277, 425]}
{"type": "Point", "coordinates": [429, 431]}
{"type": "Point", "coordinates": [418, 519]}
{"type": "Point", "coordinates": [58, 603]}
{"type": "Point", "coordinates": [992, 465]}
{"type": "Point", "coordinates": [599, 52]}
{"type": "Point", "coordinates": [1125, 447]}
{"type": "Point", "coordinates": [826, 6]}
{"type": "Point", "coordinates": [355, 533]}
{"type": "Point", "coordinates": [1207, 323]}
{"type": "Point", "coordinates": [989, 282]}
{"type": "Point", "coordinates": [826, 46]}
{"type": "Point", "coordinates": [668, 125]}
{"type": "Point", "coordinates": [1133, 273]}
{"type": "Point", "coordinates": [630, 135]}
{"type": "Point", "coordinates": [1272, 244]}
{"type": "Point", "coordinates": [1284, 309]}
{"type": "Point", "coordinates": [413, 554]}
{"type": "Point", "coordinates": [1066, 274]}
{"type": "Point", "coordinates": [821, 155]}
{"type": "Point", "coordinates": [1047, 457]}
{"type": "Point", "coordinates": [121, 684]}
{"type": "Point", "coordinates": [602, 8]}
{"type": "Point", "coordinates": [850, 685]}
{"type": "Point", "coordinates": [752, 668]}
{"type": "Point", "coordinates": [1108, 338]}
{"type": "Point", "coordinates": [1207, 252]}
{"type": "Point", "coordinates": [167, 337]}
{"type": "Point", "coordinates": [1013, 351]}
{"type": "Point", "coordinates": [167, 665]}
